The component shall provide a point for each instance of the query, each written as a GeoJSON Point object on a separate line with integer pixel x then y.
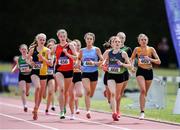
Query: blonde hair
{"type": "Point", "coordinates": [34, 43]}
{"type": "Point", "coordinates": [51, 39]}
{"type": "Point", "coordinates": [122, 34]}
{"type": "Point", "coordinates": [90, 34]}
{"type": "Point", "coordinates": [62, 31]}
{"type": "Point", "coordinates": [77, 41]}
{"type": "Point", "coordinates": [142, 35]}
{"type": "Point", "coordinates": [40, 35]}
{"type": "Point", "coordinates": [23, 45]}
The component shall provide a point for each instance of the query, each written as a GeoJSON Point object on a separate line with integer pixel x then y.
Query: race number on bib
{"type": "Point", "coordinates": [63, 61]}
{"type": "Point", "coordinates": [114, 69]}
{"type": "Point", "coordinates": [88, 62]}
{"type": "Point", "coordinates": [50, 71]}
{"type": "Point", "coordinates": [37, 65]}
{"type": "Point", "coordinates": [24, 67]}
{"type": "Point", "coordinates": [142, 60]}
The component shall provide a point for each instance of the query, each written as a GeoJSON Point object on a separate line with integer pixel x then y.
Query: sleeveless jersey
{"type": "Point", "coordinates": [40, 65]}
{"type": "Point", "coordinates": [114, 67]}
{"type": "Point", "coordinates": [24, 67]}
{"type": "Point", "coordinates": [63, 62]}
{"type": "Point", "coordinates": [89, 55]}
{"type": "Point", "coordinates": [142, 62]}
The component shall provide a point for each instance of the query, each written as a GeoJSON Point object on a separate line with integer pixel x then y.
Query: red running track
{"type": "Point", "coordinates": [12, 116]}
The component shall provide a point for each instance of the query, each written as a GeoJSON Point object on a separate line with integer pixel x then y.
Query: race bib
{"type": "Point", "coordinates": [63, 61]}
{"type": "Point", "coordinates": [142, 60]}
{"type": "Point", "coordinates": [50, 71]}
{"type": "Point", "coordinates": [38, 65]}
{"type": "Point", "coordinates": [24, 68]}
{"type": "Point", "coordinates": [114, 69]}
{"type": "Point", "coordinates": [88, 62]}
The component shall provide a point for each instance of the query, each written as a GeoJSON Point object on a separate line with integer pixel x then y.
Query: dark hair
{"type": "Point", "coordinates": [107, 45]}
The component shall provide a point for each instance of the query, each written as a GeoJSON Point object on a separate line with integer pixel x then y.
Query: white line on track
{"type": "Point", "coordinates": [20, 119]}
{"type": "Point", "coordinates": [84, 120]}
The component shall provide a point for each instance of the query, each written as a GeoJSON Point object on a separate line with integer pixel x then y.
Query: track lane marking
{"type": "Point", "coordinates": [84, 120]}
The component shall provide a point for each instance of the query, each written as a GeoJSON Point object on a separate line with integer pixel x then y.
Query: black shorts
{"type": "Point", "coordinates": [147, 74]}
{"type": "Point", "coordinates": [77, 76]}
{"type": "Point", "coordinates": [105, 78]}
{"type": "Point", "coordinates": [119, 78]}
{"type": "Point", "coordinates": [66, 74]}
{"type": "Point", "coordinates": [49, 77]}
{"type": "Point", "coordinates": [42, 77]}
{"type": "Point", "coordinates": [26, 78]}
{"type": "Point", "coordinates": [37, 72]}
{"type": "Point", "coordinates": [126, 75]}
{"type": "Point", "coordinates": [92, 76]}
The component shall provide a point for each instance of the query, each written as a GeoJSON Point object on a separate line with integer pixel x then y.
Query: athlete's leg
{"type": "Point", "coordinates": [50, 86]}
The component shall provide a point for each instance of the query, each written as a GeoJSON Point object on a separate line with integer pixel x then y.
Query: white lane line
{"type": "Point", "coordinates": [20, 119]}
{"type": "Point", "coordinates": [84, 120]}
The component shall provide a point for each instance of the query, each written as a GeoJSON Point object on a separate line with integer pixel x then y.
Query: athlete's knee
{"type": "Point", "coordinates": [143, 92]}
{"type": "Point", "coordinates": [88, 92]}
{"type": "Point", "coordinates": [79, 94]}
{"type": "Point", "coordinates": [91, 95]}
{"type": "Point", "coordinates": [112, 95]}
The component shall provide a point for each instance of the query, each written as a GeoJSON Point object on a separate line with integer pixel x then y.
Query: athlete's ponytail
{"type": "Point", "coordinates": [33, 45]}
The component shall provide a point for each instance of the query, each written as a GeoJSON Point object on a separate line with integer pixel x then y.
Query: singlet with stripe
{"type": "Point", "coordinates": [40, 65]}
{"type": "Point", "coordinates": [63, 62]}
{"type": "Point", "coordinates": [89, 55]}
{"type": "Point", "coordinates": [142, 62]}
{"type": "Point", "coordinates": [114, 67]}
{"type": "Point", "coordinates": [24, 67]}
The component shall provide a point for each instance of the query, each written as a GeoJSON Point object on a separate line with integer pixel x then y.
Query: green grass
{"type": "Point", "coordinates": [157, 114]}
{"type": "Point", "coordinates": [165, 114]}
{"type": "Point", "coordinates": [5, 67]}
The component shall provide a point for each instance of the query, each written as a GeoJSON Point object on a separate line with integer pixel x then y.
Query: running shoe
{"type": "Point", "coordinates": [46, 112]}
{"type": "Point", "coordinates": [25, 109]}
{"type": "Point", "coordinates": [141, 117]}
{"type": "Point", "coordinates": [88, 115]}
{"type": "Point", "coordinates": [53, 108]}
{"type": "Point", "coordinates": [34, 112]}
{"type": "Point", "coordinates": [118, 114]}
{"type": "Point", "coordinates": [62, 116]}
{"type": "Point", "coordinates": [115, 117]}
{"type": "Point", "coordinates": [77, 111]}
{"type": "Point", "coordinates": [72, 117]}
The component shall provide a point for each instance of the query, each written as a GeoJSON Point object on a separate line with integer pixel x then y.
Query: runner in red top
{"type": "Point", "coordinates": [65, 53]}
